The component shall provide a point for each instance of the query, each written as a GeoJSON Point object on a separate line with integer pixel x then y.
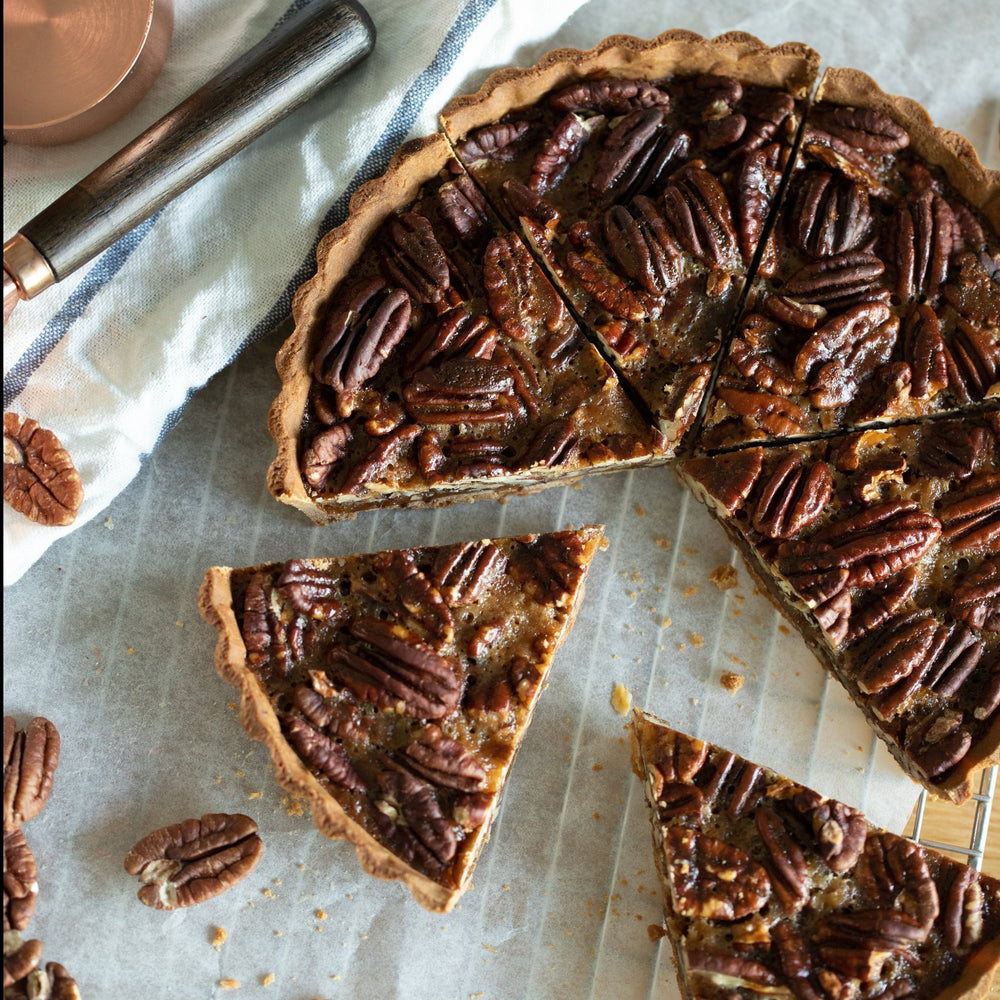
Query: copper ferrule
{"type": "Point", "coordinates": [26, 268]}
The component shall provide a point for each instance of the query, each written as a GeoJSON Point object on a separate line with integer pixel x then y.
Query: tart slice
{"type": "Point", "coordinates": [394, 690]}
{"type": "Point", "coordinates": [642, 173]}
{"type": "Point", "coordinates": [879, 297]}
{"type": "Point", "coordinates": [432, 361]}
{"type": "Point", "coordinates": [883, 548]}
{"type": "Point", "coordinates": [770, 889]}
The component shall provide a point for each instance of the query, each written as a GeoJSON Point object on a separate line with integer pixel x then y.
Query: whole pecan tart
{"type": "Point", "coordinates": [769, 888]}
{"type": "Point", "coordinates": [394, 689]}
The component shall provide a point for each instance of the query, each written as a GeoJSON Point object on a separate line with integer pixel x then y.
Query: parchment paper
{"type": "Point", "coordinates": [103, 637]}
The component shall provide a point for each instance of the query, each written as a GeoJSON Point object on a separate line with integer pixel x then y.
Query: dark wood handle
{"type": "Point", "coordinates": [312, 48]}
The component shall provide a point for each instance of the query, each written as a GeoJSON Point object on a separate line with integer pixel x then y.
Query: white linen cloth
{"type": "Point", "coordinates": [108, 357]}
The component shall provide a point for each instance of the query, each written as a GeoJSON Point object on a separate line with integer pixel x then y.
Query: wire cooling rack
{"type": "Point", "coordinates": [981, 805]}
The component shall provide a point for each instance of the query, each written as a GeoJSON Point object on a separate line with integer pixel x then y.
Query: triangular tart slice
{"type": "Point", "coordinates": [883, 548]}
{"type": "Point", "coordinates": [643, 173]}
{"type": "Point", "coordinates": [880, 298]}
{"type": "Point", "coordinates": [432, 361]}
{"type": "Point", "coordinates": [394, 689]}
{"type": "Point", "coordinates": [771, 889]}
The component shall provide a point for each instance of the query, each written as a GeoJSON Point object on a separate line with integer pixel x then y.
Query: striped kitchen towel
{"type": "Point", "coordinates": [108, 357]}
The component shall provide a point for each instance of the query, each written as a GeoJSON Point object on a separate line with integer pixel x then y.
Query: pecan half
{"type": "Point", "coordinates": [838, 281]}
{"type": "Point", "coordinates": [322, 754]}
{"type": "Point", "coordinates": [557, 443]}
{"type": "Point", "coordinates": [864, 128]}
{"type": "Point", "coordinates": [880, 603]}
{"type": "Point", "coordinates": [871, 545]}
{"type": "Point", "coordinates": [20, 958]}
{"type": "Point", "coordinates": [698, 212]}
{"type": "Point", "coordinates": [963, 912]}
{"type": "Point", "coordinates": [973, 362]}
{"type": "Point", "coordinates": [950, 450]}
{"type": "Point", "coordinates": [464, 208]}
{"type": "Point", "coordinates": [838, 831]}
{"type": "Point", "coordinates": [456, 333]}
{"type": "Point", "coordinates": [523, 202]}
{"type": "Point", "coordinates": [463, 572]}
{"type": "Point", "coordinates": [39, 477]}
{"type": "Point", "coordinates": [461, 390]}
{"type": "Point", "coordinates": [379, 458]}
{"type": "Point", "coordinates": [609, 96]}
{"type": "Point", "coordinates": [394, 670]}
{"type": "Point", "coordinates": [736, 971]}
{"type": "Point", "coordinates": [553, 566]}
{"type": "Point", "coordinates": [642, 246]}
{"type": "Point", "coordinates": [603, 284]}
{"type": "Point", "coordinates": [560, 151]}
{"type": "Point", "coordinates": [758, 183]}
{"type": "Point", "coordinates": [858, 944]}
{"type": "Point", "coordinates": [414, 258]}
{"type": "Point", "coordinates": [937, 742]}
{"type": "Point", "coordinates": [924, 351]}
{"type": "Point", "coordinates": [976, 600]}
{"type": "Point", "coordinates": [626, 151]}
{"type": "Point", "coordinates": [20, 880]}
{"type": "Point", "coordinates": [521, 298]}
{"type": "Point", "coordinates": [502, 142]}
{"type": "Point", "coordinates": [792, 498]}
{"type": "Point", "coordinates": [728, 478]}
{"type": "Point", "coordinates": [360, 336]}
{"type": "Point", "coordinates": [711, 878]}
{"type": "Point", "coordinates": [906, 647]}
{"type": "Point", "coordinates": [192, 861]}
{"type": "Point", "coordinates": [970, 516]}
{"type": "Point", "coordinates": [310, 591]}
{"type": "Point", "coordinates": [785, 860]}
{"type": "Point", "coordinates": [30, 758]}
{"type": "Point", "coordinates": [768, 411]}
{"type": "Point", "coordinates": [325, 453]}
{"type": "Point", "coordinates": [895, 872]}
{"type": "Point", "coordinates": [679, 758]}
{"type": "Point", "coordinates": [828, 214]}
{"type": "Point", "coordinates": [920, 242]}
{"type": "Point", "coordinates": [421, 831]}
{"type": "Point", "coordinates": [444, 762]}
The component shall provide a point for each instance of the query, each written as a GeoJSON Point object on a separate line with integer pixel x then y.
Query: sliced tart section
{"type": "Point", "coordinates": [771, 889]}
{"type": "Point", "coordinates": [394, 689]}
{"type": "Point", "coordinates": [432, 361]}
{"type": "Point", "coordinates": [883, 548]}
{"type": "Point", "coordinates": [879, 297]}
{"type": "Point", "coordinates": [642, 173]}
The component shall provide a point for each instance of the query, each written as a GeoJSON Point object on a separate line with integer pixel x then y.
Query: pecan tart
{"type": "Point", "coordinates": [432, 360]}
{"type": "Point", "coordinates": [395, 689]}
{"type": "Point", "coordinates": [883, 547]}
{"type": "Point", "coordinates": [771, 889]}
{"type": "Point", "coordinates": [642, 174]}
{"type": "Point", "coordinates": [878, 298]}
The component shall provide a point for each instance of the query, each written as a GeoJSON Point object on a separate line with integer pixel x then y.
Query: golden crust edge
{"type": "Point", "coordinates": [939, 146]}
{"type": "Point", "coordinates": [792, 65]}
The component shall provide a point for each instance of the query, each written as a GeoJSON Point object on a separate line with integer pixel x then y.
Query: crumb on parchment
{"type": "Point", "coordinates": [621, 699]}
{"type": "Point", "coordinates": [229, 984]}
{"type": "Point", "coordinates": [732, 681]}
{"type": "Point", "coordinates": [267, 979]}
{"type": "Point", "coordinates": [724, 577]}
{"type": "Point", "coordinates": [220, 936]}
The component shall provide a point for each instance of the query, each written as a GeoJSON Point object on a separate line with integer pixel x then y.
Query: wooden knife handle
{"type": "Point", "coordinates": [313, 47]}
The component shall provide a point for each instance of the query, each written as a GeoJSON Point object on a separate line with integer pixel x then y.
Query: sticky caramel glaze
{"type": "Point", "coordinates": [525, 628]}
{"type": "Point", "coordinates": [932, 968]}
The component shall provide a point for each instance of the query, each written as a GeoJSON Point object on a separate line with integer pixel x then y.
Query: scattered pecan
{"type": "Point", "coordinates": [20, 958]}
{"type": "Point", "coordinates": [472, 811]}
{"type": "Point", "coordinates": [192, 861]}
{"type": "Point", "coordinates": [553, 566]}
{"type": "Point", "coordinates": [727, 478]}
{"type": "Point", "coordinates": [880, 393]}
{"type": "Point", "coordinates": [322, 754]}
{"type": "Point", "coordinates": [714, 92]}
{"type": "Point", "coordinates": [626, 151]}
{"type": "Point", "coordinates": [30, 758]}
{"type": "Point", "coordinates": [894, 870]}
{"type": "Point", "coordinates": [456, 333]}
{"type": "Point", "coordinates": [760, 354]}
{"type": "Point", "coordinates": [394, 670]}
{"type": "Point", "coordinates": [325, 453]}
{"type": "Point", "coordinates": [679, 757]}
{"type": "Point", "coordinates": [464, 208]}
{"type": "Point", "coordinates": [379, 458]}
{"type": "Point", "coordinates": [920, 242]}
{"type": "Point", "coordinates": [906, 647]}
{"type": "Point", "coordinates": [609, 96]}
{"type": "Point", "coordinates": [502, 141]}
{"type": "Point", "coordinates": [413, 258]}
{"type": "Point", "coordinates": [444, 762]}
{"type": "Point", "coordinates": [51, 983]}
{"type": "Point", "coordinates": [858, 943]}
{"type": "Point", "coordinates": [864, 128]}
{"type": "Point", "coordinates": [792, 498]}
{"type": "Point", "coordinates": [20, 880]}
{"type": "Point", "coordinates": [804, 315]}
{"type": "Point", "coordinates": [871, 545]}
{"type": "Point", "coordinates": [937, 742]}
{"type": "Point", "coordinates": [880, 603]}
{"type": "Point", "coordinates": [523, 202]}
{"type": "Point", "coordinates": [560, 151]}
{"type": "Point", "coordinates": [421, 831]}
{"type": "Point", "coordinates": [970, 515]}
{"type": "Point", "coordinates": [311, 699]}
{"type": "Point", "coordinates": [310, 591]}
{"type": "Point", "coordinates": [557, 443]}
{"type": "Point", "coordinates": [844, 352]}
{"type": "Point", "coordinates": [834, 616]}
{"type": "Point", "coordinates": [950, 450]}
{"type": "Point", "coordinates": [828, 214]}
{"type": "Point", "coordinates": [678, 798]}
{"type": "Point", "coordinates": [839, 280]}
{"type": "Point", "coordinates": [461, 390]}
{"type": "Point", "coordinates": [976, 600]}
{"type": "Point", "coordinates": [359, 337]}
{"type": "Point", "coordinates": [735, 970]}
{"type": "Point", "coordinates": [924, 351]}
{"type": "Point", "coordinates": [698, 212]}
{"type": "Point", "coordinates": [765, 112]}
{"type": "Point", "coordinates": [642, 246]}
{"type": "Point", "coordinates": [825, 148]}
{"type": "Point", "coordinates": [420, 603]}
{"type": "Point", "coordinates": [963, 912]}
{"type": "Point", "coordinates": [838, 831]}
{"type": "Point", "coordinates": [785, 860]}
{"type": "Point", "coordinates": [711, 878]}
{"type": "Point", "coordinates": [722, 130]}
{"type": "Point", "coordinates": [39, 478]}
{"type": "Point", "coordinates": [464, 572]}
{"type": "Point", "coordinates": [758, 183]}
{"type": "Point", "coordinates": [738, 785]}
{"type": "Point", "coordinates": [767, 411]}
{"type": "Point", "coordinates": [521, 298]}
{"type": "Point", "coordinates": [973, 361]}
{"type": "Point", "coordinates": [602, 283]}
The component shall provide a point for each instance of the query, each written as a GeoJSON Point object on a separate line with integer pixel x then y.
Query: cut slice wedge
{"type": "Point", "coordinates": [394, 689]}
{"type": "Point", "coordinates": [770, 889]}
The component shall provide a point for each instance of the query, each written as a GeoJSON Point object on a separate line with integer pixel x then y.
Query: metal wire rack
{"type": "Point", "coordinates": [981, 803]}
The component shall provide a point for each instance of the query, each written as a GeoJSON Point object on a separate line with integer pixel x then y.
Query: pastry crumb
{"type": "Point", "coordinates": [697, 640]}
{"type": "Point", "coordinates": [666, 623]}
{"type": "Point", "coordinates": [732, 681]}
{"type": "Point", "coordinates": [267, 979]}
{"type": "Point", "coordinates": [321, 914]}
{"type": "Point", "coordinates": [724, 577]}
{"type": "Point", "coordinates": [229, 984]}
{"type": "Point", "coordinates": [219, 938]}
{"type": "Point", "coordinates": [639, 510]}
{"type": "Point", "coordinates": [621, 699]}
{"type": "Point", "coordinates": [691, 591]}
{"type": "Point", "coordinates": [664, 543]}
